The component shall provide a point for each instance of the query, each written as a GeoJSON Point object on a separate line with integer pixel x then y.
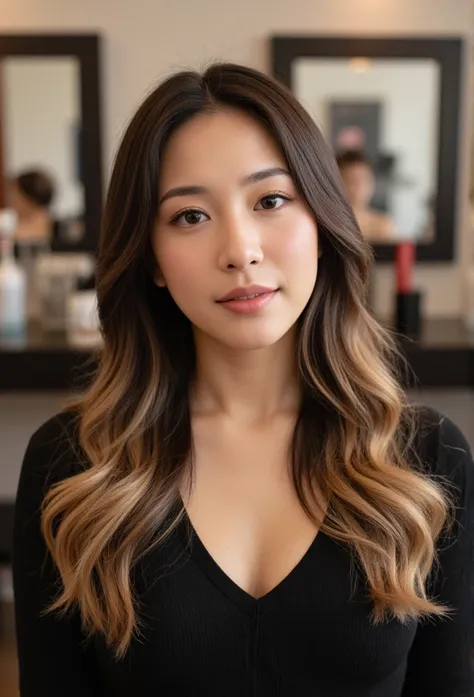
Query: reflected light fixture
{"type": "Point", "coordinates": [359, 65]}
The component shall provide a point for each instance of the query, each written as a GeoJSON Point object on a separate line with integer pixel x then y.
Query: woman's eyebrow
{"type": "Point", "coordinates": [264, 174]}
{"type": "Point", "coordinates": [250, 179]}
{"type": "Point", "coordinates": [183, 191]}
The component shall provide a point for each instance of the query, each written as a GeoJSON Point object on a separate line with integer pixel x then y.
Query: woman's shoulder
{"type": "Point", "coordinates": [64, 423]}
{"type": "Point", "coordinates": [52, 455]}
{"type": "Point", "coordinates": [441, 446]}
{"type": "Point", "coordinates": [53, 452]}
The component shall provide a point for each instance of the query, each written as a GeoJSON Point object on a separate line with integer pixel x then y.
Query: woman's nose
{"type": "Point", "coordinates": [240, 244]}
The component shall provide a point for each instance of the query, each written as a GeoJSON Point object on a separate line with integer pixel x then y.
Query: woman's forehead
{"type": "Point", "coordinates": [225, 143]}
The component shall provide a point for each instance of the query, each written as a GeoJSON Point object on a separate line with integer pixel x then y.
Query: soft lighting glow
{"type": "Point", "coordinates": [359, 65]}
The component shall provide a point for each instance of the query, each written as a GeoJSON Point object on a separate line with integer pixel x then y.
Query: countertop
{"type": "Point", "coordinates": [442, 356]}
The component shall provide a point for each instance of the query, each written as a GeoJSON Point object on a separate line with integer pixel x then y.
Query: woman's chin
{"type": "Point", "coordinates": [252, 339]}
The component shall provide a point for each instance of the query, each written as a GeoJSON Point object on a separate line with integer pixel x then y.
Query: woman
{"type": "Point", "coordinates": [242, 503]}
{"type": "Point", "coordinates": [31, 195]}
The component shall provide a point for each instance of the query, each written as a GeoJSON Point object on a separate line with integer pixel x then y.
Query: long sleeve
{"type": "Point", "coordinates": [441, 661]}
{"type": "Point", "coordinates": [53, 659]}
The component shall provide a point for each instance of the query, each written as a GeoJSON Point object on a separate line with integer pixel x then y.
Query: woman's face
{"type": "Point", "coordinates": [230, 217]}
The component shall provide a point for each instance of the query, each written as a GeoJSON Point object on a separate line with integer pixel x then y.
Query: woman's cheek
{"type": "Point", "coordinates": [300, 243]}
{"type": "Point", "coordinates": [180, 267]}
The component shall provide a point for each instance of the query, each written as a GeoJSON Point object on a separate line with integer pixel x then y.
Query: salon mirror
{"type": "Point", "coordinates": [50, 149]}
{"type": "Point", "coordinates": [41, 127]}
{"type": "Point", "coordinates": [390, 110]}
{"type": "Point", "coordinates": [386, 147]}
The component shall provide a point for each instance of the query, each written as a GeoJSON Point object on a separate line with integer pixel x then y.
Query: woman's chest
{"type": "Point", "coordinates": [200, 628]}
{"type": "Point", "coordinates": [244, 508]}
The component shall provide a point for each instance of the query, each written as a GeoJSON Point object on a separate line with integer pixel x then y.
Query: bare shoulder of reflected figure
{"type": "Point", "coordinates": [378, 226]}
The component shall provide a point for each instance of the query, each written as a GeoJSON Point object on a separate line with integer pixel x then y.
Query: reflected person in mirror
{"type": "Point", "coordinates": [31, 194]}
{"type": "Point", "coordinates": [358, 177]}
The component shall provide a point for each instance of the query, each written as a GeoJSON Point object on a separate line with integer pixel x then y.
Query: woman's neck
{"type": "Point", "coordinates": [246, 385]}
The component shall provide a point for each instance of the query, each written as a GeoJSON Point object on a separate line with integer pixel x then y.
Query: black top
{"type": "Point", "coordinates": [205, 636]}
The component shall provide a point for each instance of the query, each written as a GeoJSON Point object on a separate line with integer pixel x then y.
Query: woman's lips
{"type": "Point", "coordinates": [249, 306]}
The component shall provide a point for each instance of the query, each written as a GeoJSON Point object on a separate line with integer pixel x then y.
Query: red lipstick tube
{"type": "Point", "coordinates": [407, 300]}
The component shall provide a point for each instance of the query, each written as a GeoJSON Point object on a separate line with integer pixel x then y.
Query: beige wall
{"type": "Point", "coordinates": [145, 39]}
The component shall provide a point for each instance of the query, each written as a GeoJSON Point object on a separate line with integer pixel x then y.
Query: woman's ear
{"type": "Point", "coordinates": [157, 275]}
{"type": "Point", "coordinates": [159, 280]}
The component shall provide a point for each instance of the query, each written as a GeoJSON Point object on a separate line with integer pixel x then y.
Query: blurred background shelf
{"type": "Point", "coordinates": [443, 356]}
{"type": "Point", "coordinates": [44, 362]}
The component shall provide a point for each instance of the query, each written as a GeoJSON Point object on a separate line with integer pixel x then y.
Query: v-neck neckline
{"type": "Point", "coordinates": [249, 603]}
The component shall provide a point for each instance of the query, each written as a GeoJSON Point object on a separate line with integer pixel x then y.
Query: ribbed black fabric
{"type": "Point", "coordinates": [308, 637]}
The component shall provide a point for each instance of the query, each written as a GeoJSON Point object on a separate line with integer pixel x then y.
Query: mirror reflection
{"type": "Point", "coordinates": [381, 118]}
{"type": "Point", "coordinates": [40, 132]}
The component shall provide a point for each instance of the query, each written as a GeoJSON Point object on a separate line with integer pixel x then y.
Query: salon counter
{"type": "Point", "coordinates": [443, 356]}
{"type": "Point", "coordinates": [44, 361]}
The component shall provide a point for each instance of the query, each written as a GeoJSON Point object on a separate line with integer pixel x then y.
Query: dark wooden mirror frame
{"type": "Point", "coordinates": [86, 48]}
{"type": "Point", "coordinates": [448, 54]}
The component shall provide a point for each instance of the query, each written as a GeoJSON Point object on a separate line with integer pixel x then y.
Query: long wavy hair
{"type": "Point", "coordinates": [353, 439]}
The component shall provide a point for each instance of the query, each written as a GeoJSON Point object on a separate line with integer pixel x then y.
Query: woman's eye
{"type": "Point", "coordinates": [272, 202]}
{"type": "Point", "coordinates": [190, 217]}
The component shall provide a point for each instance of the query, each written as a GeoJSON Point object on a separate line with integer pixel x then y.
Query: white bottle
{"type": "Point", "coordinates": [12, 282]}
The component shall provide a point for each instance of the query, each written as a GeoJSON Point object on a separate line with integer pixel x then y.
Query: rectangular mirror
{"type": "Point", "coordinates": [50, 154]}
{"type": "Point", "coordinates": [390, 110]}
{"type": "Point", "coordinates": [41, 128]}
{"type": "Point", "coordinates": [386, 148]}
